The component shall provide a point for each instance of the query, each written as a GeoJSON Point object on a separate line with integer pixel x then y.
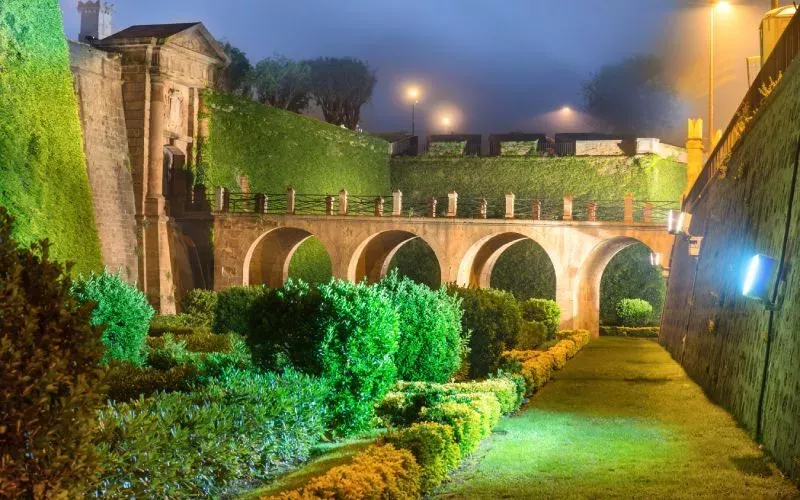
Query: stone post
{"type": "Point", "coordinates": [219, 199]}
{"type": "Point", "coordinates": [379, 206]}
{"type": "Point", "coordinates": [290, 200]}
{"type": "Point", "coordinates": [591, 211]}
{"type": "Point", "coordinates": [536, 210]}
{"type": "Point", "coordinates": [343, 202]}
{"type": "Point", "coordinates": [509, 205]}
{"type": "Point", "coordinates": [568, 207]}
{"type": "Point", "coordinates": [261, 203]}
{"type": "Point", "coordinates": [482, 208]}
{"type": "Point", "coordinates": [432, 206]}
{"type": "Point", "coordinates": [199, 201]}
{"type": "Point", "coordinates": [694, 153]}
{"type": "Point", "coordinates": [452, 204]}
{"type": "Point", "coordinates": [628, 208]}
{"type": "Point", "coordinates": [397, 203]}
{"type": "Point", "coordinates": [328, 205]}
{"type": "Point", "coordinates": [648, 212]}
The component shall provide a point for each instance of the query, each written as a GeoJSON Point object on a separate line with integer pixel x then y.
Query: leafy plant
{"type": "Point", "coordinates": [634, 312]}
{"type": "Point", "coordinates": [199, 305]}
{"type": "Point", "coordinates": [123, 311]}
{"type": "Point", "coordinates": [434, 448]}
{"type": "Point", "coordinates": [233, 309]}
{"type": "Point", "coordinates": [49, 381]}
{"type": "Point", "coordinates": [346, 333]}
{"type": "Point", "coordinates": [243, 426]}
{"type": "Point", "coordinates": [431, 343]}
{"type": "Point", "coordinates": [544, 311]}
{"type": "Point", "coordinates": [493, 318]}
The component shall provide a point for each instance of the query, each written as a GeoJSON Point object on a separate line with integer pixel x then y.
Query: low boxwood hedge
{"type": "Point", "coordinates": [629, 331]}
{"type": "Point", "coordinates": [536, 367]}
{"type": "Point", "coordinates": [434, 448]}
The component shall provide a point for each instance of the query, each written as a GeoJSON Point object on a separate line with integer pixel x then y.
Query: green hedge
{"type": "Point", "coordinates": [43, 180]}
{"type": "Point", "coordinates": [544, 311]}
{"type": "Point", "coordinates": [630, 275]}
{"type": "Point", "coordinates": [434, 448]}
{"type": "Point", "coordinates": [634, 312]}
{"type": "Point", "coordinates": [275, 148]}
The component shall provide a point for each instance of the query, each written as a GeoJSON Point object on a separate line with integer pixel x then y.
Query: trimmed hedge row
{"type": "Point", "coordinates": [650, 332]}
{"type": "Point", "coordinates": [381, 471]}
{"type": "Point", "coordinates": [537, 367]}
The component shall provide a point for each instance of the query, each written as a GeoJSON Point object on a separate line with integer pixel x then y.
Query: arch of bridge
{"type": "Point", "coordinates": [467, 250]}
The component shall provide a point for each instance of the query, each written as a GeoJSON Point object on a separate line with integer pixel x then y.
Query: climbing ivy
{"type": "Point", "coordinates": [43, 179]}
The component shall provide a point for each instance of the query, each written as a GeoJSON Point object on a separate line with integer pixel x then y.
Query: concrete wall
{"type": "Point", "coordinates": [98, 84]}
{"type": "Point", "coordinates": [719, 336]}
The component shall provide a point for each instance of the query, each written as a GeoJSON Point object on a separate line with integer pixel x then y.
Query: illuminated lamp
{"type": "Point", "coordinates": [678, 222]}
{"type": "Point", "coordinates": [655, 259]}
{"type": "Point", "coordinates": [759, 277]}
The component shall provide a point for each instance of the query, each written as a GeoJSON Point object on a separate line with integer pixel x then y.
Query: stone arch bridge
{"type": "Point", "coordinates": [253, 245]}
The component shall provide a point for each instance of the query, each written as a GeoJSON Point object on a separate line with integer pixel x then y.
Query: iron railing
{"type": "Point", "coordinates": [785, 51]}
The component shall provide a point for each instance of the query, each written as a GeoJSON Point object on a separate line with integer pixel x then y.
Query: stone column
{"type": "Point", "coordinates": [591, 211]}
{"type": "Point", "coordinates": [536, 210]}
{"type": "Point", "coordinates": [694, 153]}
{"type": "Point", "coordinates": [329, 205]}
{"type": "Point", "coordinates": [432, 202]}
{"type": "Point", "coordinates": [343, 202]}
{"type": "Point", "coordinates": [648, 212]}
{"type": "Point", "coordinates": [290, 201]}
{"type": "Point", "coordinates": [628, 215]}
{"type": "Point", "coordinates": [219, 199]}
{"type": "Point", "coordinates": [568, 207]}
{"type": "Point", "coordinates": [482, 208]}
{"type": "Point", "coordinates": [158, 270]}
{"type": "Point", "coordinates": [379, 206]}
{"type": "Point", "coordinates": [452, 203]}
{"type": "Point", "coordinates": [397, 203]}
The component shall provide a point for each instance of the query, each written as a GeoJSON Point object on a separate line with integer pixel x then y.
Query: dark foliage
{"type": "Point", "coordinates": [341, 85]}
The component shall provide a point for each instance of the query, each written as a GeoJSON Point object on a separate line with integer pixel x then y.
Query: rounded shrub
{"type": "Point", "coordinates": [493, 317]}
{"type": "Point", "coordinates": [344, 332]}
{"type": "Point", "coordinates": [49, 381]}
{"type": "Point", "coordinates": [544, 311]}
{"type": "Point", "coordinates": [531, 334]}
{"type": "Point", "coordinates": [434, 448]}
{"type": "Point", "coordinates": [199, 305]}
{"type": "Point", "coordinates": [431, 346]}
{"type": "Point", "coordinates": [634, 312]}
{"type": "Point", "coordinates": [122, 310]}
{"type": "Point", "coordinates": [232, 310]}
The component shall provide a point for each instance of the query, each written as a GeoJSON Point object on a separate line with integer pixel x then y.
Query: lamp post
{"type": "Point", "coordinates": [721, 5]}
{"type": "Point", "coordinates": [413, 94]}
{"type": "Point", "coordinates": [446, 124]}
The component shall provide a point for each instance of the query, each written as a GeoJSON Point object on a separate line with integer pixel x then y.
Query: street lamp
{"type": "Point", "coordinates": [413, 94]}
{"type": "Point", "coordinates": [446, 124]}
{"type": "Point", "coordinates": [721, 6]}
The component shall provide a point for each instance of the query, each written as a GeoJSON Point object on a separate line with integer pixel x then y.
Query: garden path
{"type": "Point", "coordinates": [621, 420]}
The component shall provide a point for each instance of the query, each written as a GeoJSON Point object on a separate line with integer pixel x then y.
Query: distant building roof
{"type": "Point", "coordinates": [151, 31]}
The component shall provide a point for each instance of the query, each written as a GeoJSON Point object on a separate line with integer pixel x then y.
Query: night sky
{"type": "Point", "coordinates": [497, 65]}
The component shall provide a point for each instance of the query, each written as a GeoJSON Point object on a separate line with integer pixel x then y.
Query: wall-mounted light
{"type": "Point", "coordinates": [758, 278]}
{"type": "Point", "coordinates": [678, 222]}
{"type": "Point", "coordinates": [655, 259]}
{"type": "Point", "coordinates": [694, 245]}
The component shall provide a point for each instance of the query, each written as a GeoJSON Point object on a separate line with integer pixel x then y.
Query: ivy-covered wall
{"type": "Point", "coordinates": [524, 268]}
{"type": "Point", "coordinates": [43, 179]}
{"type": "Point", "coordinates": [275, 148]}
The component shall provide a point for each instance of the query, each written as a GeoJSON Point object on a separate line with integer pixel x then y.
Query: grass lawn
{"type": "Point", "coordinates": [622, 420]}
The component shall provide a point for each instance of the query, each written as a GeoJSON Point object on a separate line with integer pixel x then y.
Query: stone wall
{"type": "Point", "coordinates": [98, 84]}
{"type": "Point", "coordinates": [719, 336]}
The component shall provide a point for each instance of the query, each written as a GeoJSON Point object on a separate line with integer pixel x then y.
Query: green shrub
{"type": "Point", "coordinates": [197, 342]}
{"type": "Point", "coordinates": [431, 344]}
{"type": "Point", "coordinates": [493, 318]}
{"type": "Point", "coordinates": [43, 176]}
{"type": "Point", "coordinates": [434, 448]}
{"type": "Point", "coordinates": [545, 311]}
{"type": "Point", "coordinates": [343, 332]}
{"type": "Point", "coordinates": [126, 382]}
{"type": "Point", "coordinates": [647, 332]}
{"type": "Point", "coordinates": [505, 389]}
{"type": "Point", "coordinates": [463, 418]}
{"type": "Point", "coordinates": [531, 334]}
{"type": "Point", "coordinates": [244, 426]}
{"type": "Point", "coordinates": [175, 352]}
{"type": "Point", "coordinates": [199, 304]}
{"type": "Point", "coordinates": [536, 367]}
{"type": "Point", "coordinates": [634, 312]}
{"type": "Point", "coordinates": [379, 472]}
{"type": "Point", "coordinates": [122, 309]}
{"type": "Point", "coordinates": [232, 311]}
{"type": "Point", "coordinates": [49, 376]}
{"type": "Point", "coordinates": [179, 324]}
{"type": "Point", "coordinates": [403, 405]}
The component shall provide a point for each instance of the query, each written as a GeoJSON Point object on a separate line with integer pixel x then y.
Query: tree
{"type": "Point", "coordinates": [236, 76]}
{"type": "Point", "coordinates": [283, 83]}
{"type": "Point", "coordinates": [634, 97]}
{"type": "Point", "coordinates": [341, 85]}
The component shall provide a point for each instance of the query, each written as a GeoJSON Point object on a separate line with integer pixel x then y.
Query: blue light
{"type": "Point", "coordinates": [758, 277]}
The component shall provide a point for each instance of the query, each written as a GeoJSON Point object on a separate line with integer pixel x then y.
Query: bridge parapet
{"type": "Point", "coordinates": [452, 205]}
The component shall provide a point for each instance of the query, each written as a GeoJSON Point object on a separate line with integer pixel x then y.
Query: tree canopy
{"type": "Point", "coordinates": [282, 82]}
{"type": "Point", "coordinates": [341, 85]}
{"type": "Point", "coordinates": [235, 78]}
{"type": "Point", "coordinates": [633, 97]}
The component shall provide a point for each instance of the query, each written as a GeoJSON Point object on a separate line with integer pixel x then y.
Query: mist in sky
{"type": "Point", "coordinates": [497, 65]}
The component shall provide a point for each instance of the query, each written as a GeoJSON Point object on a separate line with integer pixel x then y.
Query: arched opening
{"type": "Point", "coordinates": [269, 259]}
{"type": "Point", "coordinates": [629, 275]}
{"type": "Point", "coordinates": [415, 259]}
{"type": "Point", "coordinates": [591, 274]}
{"type": "Point", "coordinates": [478, 266]}
{"type": "Point", "coordinates": [373, 258]}
{"type": "Point", "coordinates": [311, 262]}
{"type": "Point", "coordinates": [525, 270]}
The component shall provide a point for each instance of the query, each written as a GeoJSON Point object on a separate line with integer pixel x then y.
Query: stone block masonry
{"type": "Point", "coordinates": [98, 84]}
{"type": "Point", "coordinates": [720, 337]}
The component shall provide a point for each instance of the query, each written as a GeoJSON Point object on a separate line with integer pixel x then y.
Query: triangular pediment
{"type": "Point", "coordinates": [198, 39]}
